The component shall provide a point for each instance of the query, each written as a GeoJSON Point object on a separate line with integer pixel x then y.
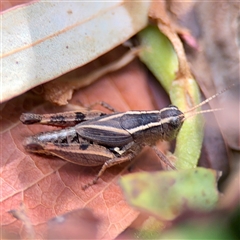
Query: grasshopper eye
{"type": "Point", "coordinates": [175, 122]}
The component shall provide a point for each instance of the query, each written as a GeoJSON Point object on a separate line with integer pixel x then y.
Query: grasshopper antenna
{"type": "Point", "coordinates": [209, 99]}
{"type": "Point", "coordinates": [199, 112]}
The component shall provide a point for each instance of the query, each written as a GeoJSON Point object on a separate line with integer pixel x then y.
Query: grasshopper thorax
{"type": "Point", "coordinates": [151, 126]}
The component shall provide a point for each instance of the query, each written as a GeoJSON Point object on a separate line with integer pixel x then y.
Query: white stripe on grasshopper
{"type": "Point", "coordinates": [107, 128]}
{"type": "Point", "coordinates": [149, 125]}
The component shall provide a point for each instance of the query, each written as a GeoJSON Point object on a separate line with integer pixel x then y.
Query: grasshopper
{"type": "Point", "coordinates": [94, 138]}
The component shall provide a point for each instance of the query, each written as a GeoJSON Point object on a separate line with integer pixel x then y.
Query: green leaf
{"type": "Point", "coordinates": [190, 138]}
{"type": "Point", "coordinates": [167, 194]}
{"type": "Point", "coordinates": [159, 55]}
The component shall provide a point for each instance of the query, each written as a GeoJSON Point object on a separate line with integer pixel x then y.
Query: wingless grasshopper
{"type": "Point", "coordinates": [94, 138]}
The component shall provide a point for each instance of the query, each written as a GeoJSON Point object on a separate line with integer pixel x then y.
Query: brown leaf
{"type": "Point", "coordinates": [11, 3]}
{"type": "Point", "coordinates": [217, 65]}
{"type": "Point", "coordinates": [60, 90]}
{"type": "Point", "coordinates": [49, 186]}
{"type": "Point", "coordinates": [214, 152]}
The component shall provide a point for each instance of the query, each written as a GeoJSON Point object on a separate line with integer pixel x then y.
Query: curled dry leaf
{"type": "Point", "coordinates": [60, 90]}
{"type": "Point", "coordinates": [49, 186]}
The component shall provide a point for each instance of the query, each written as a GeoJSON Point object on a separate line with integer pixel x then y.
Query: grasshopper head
{"type": "Point", "coordinates": [171, 121]}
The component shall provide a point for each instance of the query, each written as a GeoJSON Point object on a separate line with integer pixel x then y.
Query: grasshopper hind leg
{"type": "Point", "coordinates": [163, 158]}
{"type": "Point", "coordinates": [109, 163]}
{"type": "Point", "coordinates": [66, 119]}
{"type": "Point", "coordinates": [63, 119]}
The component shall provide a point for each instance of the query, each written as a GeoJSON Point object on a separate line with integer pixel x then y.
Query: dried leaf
{"type": "Point", "coordinates": [47, 45]}
{"type": "Point", "coordinates": [214, 153]}
{"type": "Point", "coordinates": [217, 67]}
{"type": "Point", "coordinates": [60, 90]}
